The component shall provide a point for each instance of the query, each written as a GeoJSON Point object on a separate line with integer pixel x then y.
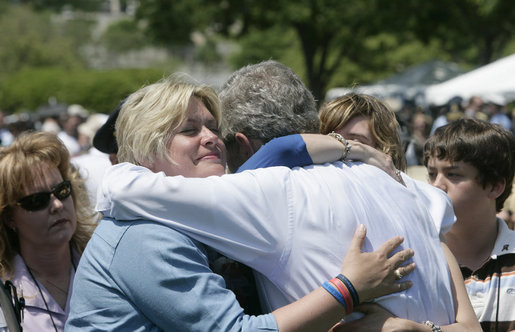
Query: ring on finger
{"type": "Point", "coordinates": [398, 274]}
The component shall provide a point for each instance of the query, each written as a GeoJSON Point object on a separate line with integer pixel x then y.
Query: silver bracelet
{"type": "Point", "coordinates": [433, 326]}
{"type": "Point", "coordinates": [345, 143]}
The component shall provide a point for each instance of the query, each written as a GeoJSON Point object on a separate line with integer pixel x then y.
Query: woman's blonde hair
{"type": "Point", "coordinates": [384, 127]}
{"type": "Point", "coordinates": [26, 158]}
{"type": "Point", "coordinates": [150, 116]}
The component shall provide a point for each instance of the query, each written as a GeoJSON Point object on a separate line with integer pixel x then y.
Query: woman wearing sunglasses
{"type": "Point", "coordinates": [46, 221]}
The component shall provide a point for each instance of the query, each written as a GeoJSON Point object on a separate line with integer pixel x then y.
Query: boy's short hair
{"type": "Point", "coordinates": [488, 147]}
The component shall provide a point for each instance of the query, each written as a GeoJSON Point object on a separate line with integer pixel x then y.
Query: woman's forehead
{"type": "Point", "coordinates": [42, 177]}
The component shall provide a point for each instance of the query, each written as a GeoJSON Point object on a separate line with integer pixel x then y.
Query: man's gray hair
{"type": "Point", "coordinates": [266, 100]}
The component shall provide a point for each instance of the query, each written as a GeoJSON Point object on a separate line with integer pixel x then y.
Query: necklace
{"type": "Point", "coordinates": [41, 293]}
{"type": "Point", "coordinates": [48, 281]}
{"type": "Point", "coordinates": [43, 297]}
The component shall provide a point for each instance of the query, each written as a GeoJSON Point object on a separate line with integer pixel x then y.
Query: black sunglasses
{"type": "Point", "coordinates": [39, 201]}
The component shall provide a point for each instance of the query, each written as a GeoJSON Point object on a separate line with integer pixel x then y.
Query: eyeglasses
{"type": "Point", "coordinates": [39, 201]}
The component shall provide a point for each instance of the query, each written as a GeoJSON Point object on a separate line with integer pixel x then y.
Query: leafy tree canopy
{"type": "Point", "coordinates": [474, 31]}
{"type": "Point", "coordinates": [333, 33]}
{"type": "Point", "coordinates": [124, 35]}
{"type": "Point", "coordinates": [29, 39]}
{"type": "Point", "coordinates": [57, 5]}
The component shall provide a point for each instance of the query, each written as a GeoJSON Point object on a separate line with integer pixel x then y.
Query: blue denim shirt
{"type": "Point", "coordinates": [144, 276]}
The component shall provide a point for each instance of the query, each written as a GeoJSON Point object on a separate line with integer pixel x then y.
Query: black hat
{"type": "Point", "coordinates": [104, 139]}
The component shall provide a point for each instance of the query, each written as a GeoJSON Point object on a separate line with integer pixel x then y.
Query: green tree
{"type": "Point", "coordinates": [473, 31]}
{"type": "Point", "coordinates": [124, 35]}
{"type": "Point", "coordinates": [98, 91]}
{"type": "Point", "coordinates": [333, 33]}
{"type": "Point", "coordinates": [328, 31]}
{"type": "Point", "coordinates": [30, 39]}
{"type": "Point", "coordinates": [57, 5]}
{"type": "Point", "coordinates": [172, 22]}
{"type": "Point", "coordinates": [274, 43]}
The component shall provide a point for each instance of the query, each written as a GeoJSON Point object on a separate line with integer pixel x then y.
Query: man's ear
{"type": "Point", "coordinates": [497, 189]}
{"type": "Point", "coordinates": [244, 144]}
{"type": "Point", "coordinates": [240, 150]}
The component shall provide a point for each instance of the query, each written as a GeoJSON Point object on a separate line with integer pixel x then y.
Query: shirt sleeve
{"type": "Point", "coordinates": [244, 216]}
{"type": "Point", "coordinates": [289, 151]}
{"type": "Point", "coordinates": [437, 202]}
{"type": "Point", "coordinates": [166, 275]}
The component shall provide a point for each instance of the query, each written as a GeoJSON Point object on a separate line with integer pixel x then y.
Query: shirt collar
{"type": "Point", "coordinates": [26, 287]}
{"type": "Point", "coordinates": [505, 242]}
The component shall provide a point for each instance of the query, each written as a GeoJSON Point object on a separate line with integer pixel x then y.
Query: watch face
{"type": "Point", "coordinates": [433, 326]}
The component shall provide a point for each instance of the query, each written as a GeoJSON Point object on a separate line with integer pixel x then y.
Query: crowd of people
{"type": "Point", "coordinates": [249, 208]}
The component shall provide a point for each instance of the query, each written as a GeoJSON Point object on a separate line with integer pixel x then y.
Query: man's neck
{"type": "Point", "coordinates": [240, 150]}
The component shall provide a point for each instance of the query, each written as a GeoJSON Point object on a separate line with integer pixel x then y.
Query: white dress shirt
{"type": "Point", "coordinates": [294, 226]}
{"type": "Point", "coordinates": [437, 202]}
{"type": "Point", "coordinates": [91, 167]}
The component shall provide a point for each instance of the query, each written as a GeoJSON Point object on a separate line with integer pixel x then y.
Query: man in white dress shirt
{"type": "Point", "coordinates": [292, 226]}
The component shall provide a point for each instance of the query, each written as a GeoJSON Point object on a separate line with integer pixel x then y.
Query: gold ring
{"type": "Point", "coordinates": [398, 274]}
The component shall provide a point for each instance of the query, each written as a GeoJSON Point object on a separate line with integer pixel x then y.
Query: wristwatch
{"type": "Point", "coordinates": [433, 326]}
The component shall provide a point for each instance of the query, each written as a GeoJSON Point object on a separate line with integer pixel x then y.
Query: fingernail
{"type": "Point", "coordinates": [361, 228]}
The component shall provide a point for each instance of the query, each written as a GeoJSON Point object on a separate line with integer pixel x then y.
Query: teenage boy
{"type": "Point", "coordinates": [473, 162]}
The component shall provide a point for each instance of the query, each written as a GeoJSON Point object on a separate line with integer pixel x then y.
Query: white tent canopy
{"type": "Point", "coordinates": [495, 81]}
{"type": "Point", "coordinates": [409, 84]}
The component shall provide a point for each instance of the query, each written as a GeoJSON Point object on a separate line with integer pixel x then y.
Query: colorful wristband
{"type": "Point", "coordinates": [350, 287]}
{"type": "Point", "coordinates": [335, 293]}
{"type": "Point", "coordinates": [345, 293]}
